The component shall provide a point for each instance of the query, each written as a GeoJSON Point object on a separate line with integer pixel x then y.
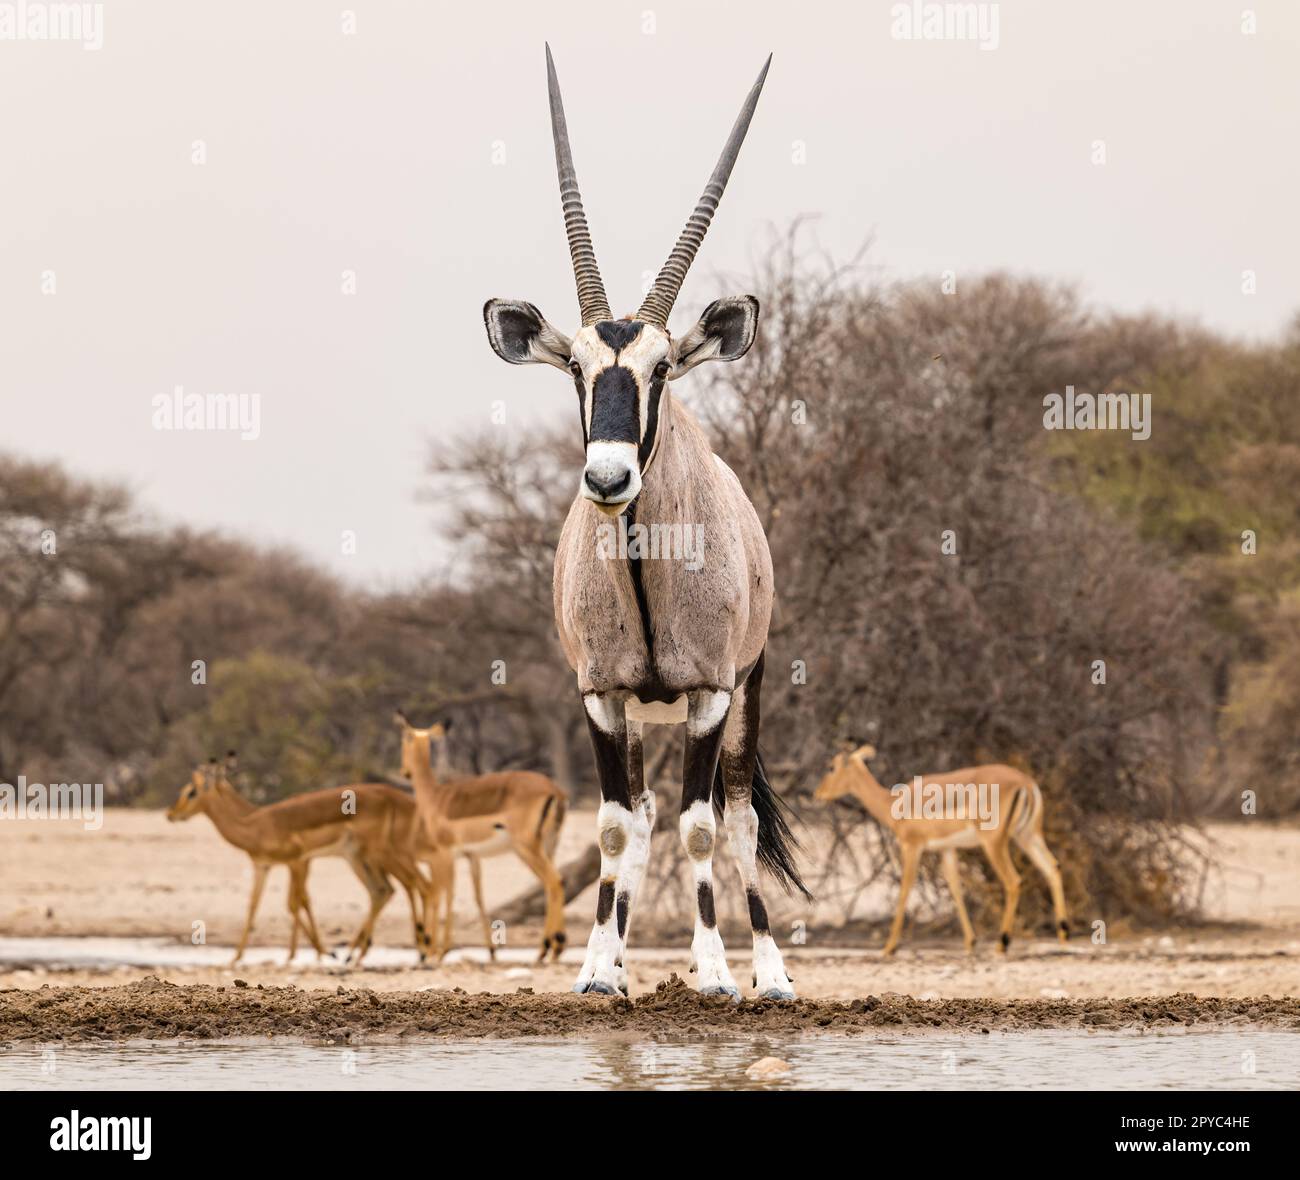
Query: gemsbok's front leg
{"type": "Point", "coordinates": [624, 837]}
{"type": "Point", "coordinates": [706, 715]}
{"type": "Point", "coordinates": [643, 819]}
{"type": "Point", "coordinates": [739, 766]}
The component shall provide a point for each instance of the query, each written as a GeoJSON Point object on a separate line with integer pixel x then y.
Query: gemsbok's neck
{"type": "Point", "coordinates": [678, 481]}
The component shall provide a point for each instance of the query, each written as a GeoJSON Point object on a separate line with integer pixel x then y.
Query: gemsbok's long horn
{"type": "Point", "coordinates": [591, 291]}
{"type": "Point", "coordinates": [663, 294]}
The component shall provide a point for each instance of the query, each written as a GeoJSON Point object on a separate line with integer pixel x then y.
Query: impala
{"type": "Point", "coordinates": [369, 825]}
{"type": "Point", "coordinates": [1016, 815]}
{"type": "Point", "coordinates": [515, 811]}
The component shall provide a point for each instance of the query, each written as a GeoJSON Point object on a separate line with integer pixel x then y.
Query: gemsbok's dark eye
{"type": "Point", "coordinates": [661, 369]}
{"type": "Point", "coordinates": [575, 368]}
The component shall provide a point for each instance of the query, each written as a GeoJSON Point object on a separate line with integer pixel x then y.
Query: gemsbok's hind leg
{"type": "Point", "coordinates": [624, 838]}
{"type": "Point", "coordinates": [1035, 847]}
{"type": "Point", "coordinates": [706, 716]}
{"type": "Point", "coordinates": [739, 763]}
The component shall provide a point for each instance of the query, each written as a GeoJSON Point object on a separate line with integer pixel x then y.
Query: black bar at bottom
{"type": "Point", "coordinates": [242, 1127]}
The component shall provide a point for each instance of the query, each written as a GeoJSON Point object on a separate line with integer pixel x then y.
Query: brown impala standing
{"type": "Point", "coordinates": [661, 637]}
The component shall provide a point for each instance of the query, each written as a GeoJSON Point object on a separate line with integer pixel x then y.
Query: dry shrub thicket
{"type": "Point", "coordinates": [868, 424]}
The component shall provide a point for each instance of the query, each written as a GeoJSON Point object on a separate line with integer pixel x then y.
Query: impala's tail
{"type": "Point", "coordinates": [551, 821]}
{"type": "Point", "coordinates": [776, 843]}
{"type": "Point", "coordinates": [1026, 810]}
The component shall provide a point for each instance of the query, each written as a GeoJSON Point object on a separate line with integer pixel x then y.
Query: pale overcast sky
{"type": "Point", "coordinates": [416, 153]}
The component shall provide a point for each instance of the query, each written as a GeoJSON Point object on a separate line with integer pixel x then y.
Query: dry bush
{"type": "Point", "coordinates": [867, 424]}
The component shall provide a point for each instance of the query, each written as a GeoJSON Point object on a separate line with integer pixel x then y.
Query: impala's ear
{"type": "Point", "coordinates": [724, 333]}
{"type": "Point", "coordinates": [519, 334]}
{"type": "Point", "coordinates": [399, 719]}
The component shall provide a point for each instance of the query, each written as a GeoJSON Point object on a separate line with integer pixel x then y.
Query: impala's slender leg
{"type": "Point", "coordinates": [1000, 858]}
{"type": "Point", "coordinates": [300, 915]}
{"type": "Point", "coordinates": [624, 838]}
{"type": "Point", "coordinates": [414, 887]}
{"type": "Point", "coordinates": [294, 920]}
{"type": "Point", "coordinates": [254, 900]}
{"type": "Point", "coordinates": [439, 866]}
{"type": "Point", "coordinates": [1035, 847]}
{"type": "Point", "coordinates": [552, 885]}
{"type": "Point", "coordinates": [476, 879]}
{"type": "Point", "coordinates": [445, 877]}
{"type": "Point", "coordinates": [952, 874]}
{"type": "Point", "coordinates": [706, 715]}
{"type": "Point", "coordinates": [380, 889]}
{"type": "Point", "coordinates": [911, 855]}
{"type": "Point", "coordinates": [304, 906]}
{"type": "Point", "coordinates": [739, 764]}
{"type": "Point", "coordinates": [406, 868]}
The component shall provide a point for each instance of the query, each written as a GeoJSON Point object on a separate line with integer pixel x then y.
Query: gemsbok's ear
{"type": "Point", "coordinates": [520, 334]}
{"type": "Point", "coordinates": [724, 333]}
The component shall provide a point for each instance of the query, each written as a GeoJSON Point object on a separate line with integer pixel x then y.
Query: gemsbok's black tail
{"type": "Point", "coordinates": [776, 843]}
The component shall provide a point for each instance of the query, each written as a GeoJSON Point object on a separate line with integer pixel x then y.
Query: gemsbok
{"type": "Point", "coordinates": [516, 811]}
{"type": "Point", "coordinates": [673, 638]}
{"type": "Point", "coordinates": [978, 807]}
{"type": "Point", "coordinates": [370, 825]}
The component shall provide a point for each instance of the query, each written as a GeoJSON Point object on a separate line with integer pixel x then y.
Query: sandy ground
{"type": "Point", "coordinates": [154, 1010]}
{"type": "Point", "coordinates": [141, 877]}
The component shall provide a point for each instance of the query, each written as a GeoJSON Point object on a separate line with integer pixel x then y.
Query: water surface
{"type": "Point", "coordinates": [1042, 1060]}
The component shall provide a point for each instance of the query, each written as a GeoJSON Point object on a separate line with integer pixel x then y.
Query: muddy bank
{"type": "Point", "coordinates": [154, 1010]}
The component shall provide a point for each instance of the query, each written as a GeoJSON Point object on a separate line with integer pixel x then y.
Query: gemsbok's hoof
{"type": "Point", "coordinates": [775, 993]}
{"type": "Point", "coordinates": [718, 990]}
{"type": "Point", "coordinates": [595, 988]}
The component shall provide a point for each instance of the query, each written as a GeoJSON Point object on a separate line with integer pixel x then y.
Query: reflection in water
{"type": "Point", "coordinates": [1249, 1059]}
